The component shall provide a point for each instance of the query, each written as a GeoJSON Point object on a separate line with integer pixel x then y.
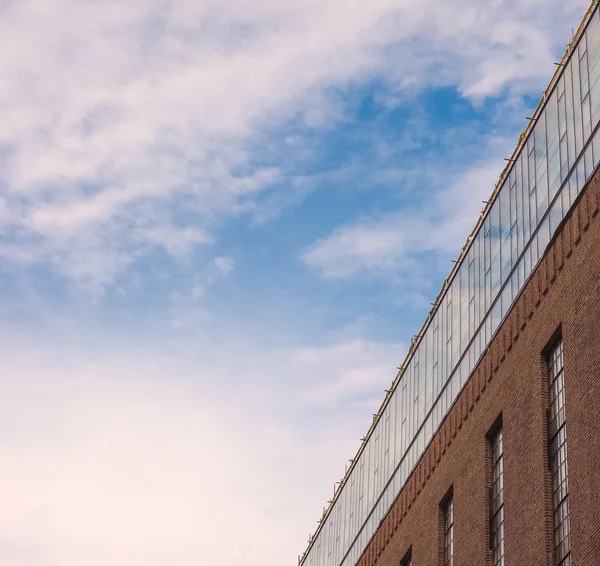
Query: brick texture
{"type": "Point", "coordinates": [511, 379]}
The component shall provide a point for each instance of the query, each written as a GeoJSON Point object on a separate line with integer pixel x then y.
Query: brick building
{"type": "Point", "coordinates": [466, 461]}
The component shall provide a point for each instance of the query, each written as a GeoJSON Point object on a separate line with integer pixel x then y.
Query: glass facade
{"type": "Point", "coordinates": [555, 161]}
{"type": "Point", "coordinates": [497, 502]}
{"type": "Point", "coordinates": [557, 433]}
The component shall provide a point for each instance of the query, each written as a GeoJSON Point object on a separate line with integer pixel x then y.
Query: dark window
{"type": "Point", "coordinates": [557, 435]}
{"type": "Point", "coordinates": [407, 560]}
{"type": "Point", "coordinates": [449, 531]}
{"type": "Point", "coordinates": [497, 499]}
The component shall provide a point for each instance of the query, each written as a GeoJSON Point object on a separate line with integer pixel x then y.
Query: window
{"type": "Point", "coordinates": [407, 560]}
{"type": "Point", "coordinates": [448, 511]}
{"type": "Point", "coordinates": [497, 499]}
{"type": "Point", "coordinates": [557, 437]}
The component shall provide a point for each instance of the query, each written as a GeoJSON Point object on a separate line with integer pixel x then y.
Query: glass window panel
{"type": "Point", "coordinates": [556, 215]}
{"type": "Point", "coordinates": [586, 118]}
{"type": "Point", "coordinates": [464, 303]}
{"type": "Point", "coordinates": [562, 113]}
{"type": "Point", "coordinates": [552, 133]}
{"type": "Point", "coordinates": [497, 518]}
{"type": "Point", "coordinates": [589, 162]}
{"type": "Point", "coordinates": [570, 117]}
{"type": "Point", "coordinates": [596, 149]}
{"type": "Point", "coordinates": [541, 167]}
{"type": "Point", "coordinates": [593, 45]}
{"type": "Point", "coordinates": [449, 533]}
{"type": "Point", "coordinates": [564, 157]}
{"type": "Point", "coordinates": [577, 97]}
{"type": "Point", "coordinates": [580, 174]}
{"type": "Point", "coordinates": [543, 236]}
{"type": "Point", "coordinates": [554, 172]}
{"type": "Point", "coordinates": [583, 75]}
{"type": "Point", "coordinates": [505, 301]}
{"type": "Point", "coordinates": [558, 455]}
{"type": "Point", "coordinates": [519, 203]}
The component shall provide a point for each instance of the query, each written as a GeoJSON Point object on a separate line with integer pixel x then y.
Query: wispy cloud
{"type": "Point", "coordinates": [390, 244]}
{"type": "Point", "coordinates": [358, 368]}
{"type": "Point", "coordinates": [225, 265]}
{"type": "Point", "coordinates": [118, 116]}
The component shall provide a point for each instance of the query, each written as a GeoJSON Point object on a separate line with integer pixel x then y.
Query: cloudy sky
{"type": "Point", "coordinates": [221, 222]}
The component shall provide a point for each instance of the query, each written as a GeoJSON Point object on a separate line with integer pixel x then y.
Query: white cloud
{"type": "Point", "coordinates": [357, 368]}
{"type": "Point", "coordinates": [225, 265]}
{"type": "Point", "coordinates": [177, 241]}
{"type": "Point", "coordinates": [118, 112]}
{"type": "Point", "coordinates": [389, 244]}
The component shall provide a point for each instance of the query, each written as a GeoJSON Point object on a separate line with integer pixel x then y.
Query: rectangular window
{"type": "Point", "coordinates": [448, 513]}
{"type": "Point", "coordinates": [497, 499]}
{"type": "Point", "coordinates": [557, 436]}
{"type": "Point", "coordinates": [407, 560]}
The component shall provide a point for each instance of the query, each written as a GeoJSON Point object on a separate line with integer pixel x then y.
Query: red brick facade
{"type": "Point", "coordinates": [563, 295]}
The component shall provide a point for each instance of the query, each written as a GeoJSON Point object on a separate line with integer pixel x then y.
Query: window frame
{"type": "Point", "coordinates": [495, 439]}
{"type": "Point", "coordinates": [557, 452]}
{"type": "Point", "coordinates": [446, 532]}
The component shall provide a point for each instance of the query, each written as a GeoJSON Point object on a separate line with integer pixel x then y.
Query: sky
{"type": "Point", "coordinates": [221, 223]}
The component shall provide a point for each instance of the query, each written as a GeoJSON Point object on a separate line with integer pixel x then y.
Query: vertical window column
{"type": "Point", "coordinates": [497, 500]}
{"type": "Point", "coordinates": [557, 435]}
{"type": "Point", "coordinates": [449, 532]}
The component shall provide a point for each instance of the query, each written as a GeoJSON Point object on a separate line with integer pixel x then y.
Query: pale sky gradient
{"type": "Point", "coordinates": [221, 222]}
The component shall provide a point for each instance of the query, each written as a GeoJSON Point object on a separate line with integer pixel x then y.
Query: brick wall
{"type": "Point", "coordinates": [511, 379]}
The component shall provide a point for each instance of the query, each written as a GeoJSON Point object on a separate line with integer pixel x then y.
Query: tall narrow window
{"type": "Point", "coordinates": [497, 500]}
{"type": "Point", "coordinates": [557, 435]}
{"type": "Point", "coordinates": [449, 531]}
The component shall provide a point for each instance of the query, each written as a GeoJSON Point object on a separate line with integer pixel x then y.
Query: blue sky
{"type": "Point", "coordinates": [220, 225]}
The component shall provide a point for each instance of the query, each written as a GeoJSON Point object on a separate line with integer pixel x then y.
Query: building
{"type": "Point", "coordinates": [466, 461]}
